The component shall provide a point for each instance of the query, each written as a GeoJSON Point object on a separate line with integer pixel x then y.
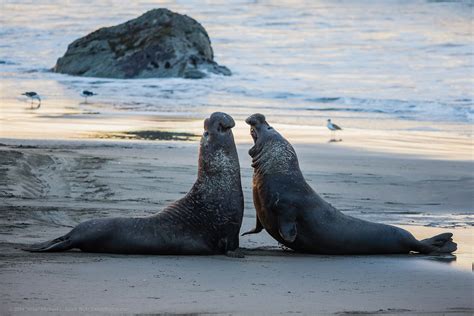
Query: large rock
{"type": "Point", "coordinates": [160, 43]}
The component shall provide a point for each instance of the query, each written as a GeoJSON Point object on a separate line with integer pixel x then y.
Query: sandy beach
{"type": "Point", "coordinates": [47, 187]}
{"type": "Point", "coordinates": [123, 142]}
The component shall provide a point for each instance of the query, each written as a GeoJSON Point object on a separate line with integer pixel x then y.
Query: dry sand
{"type": "Point", "coordinates": [46, 187]}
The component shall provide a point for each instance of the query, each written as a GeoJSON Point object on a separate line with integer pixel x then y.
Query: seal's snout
{"type": "Point", "coordinates": [225, 121]}
{"type": "Point", "coordinates": [219, 121]}
{"type": "Point", "coordinates": [255, 119]}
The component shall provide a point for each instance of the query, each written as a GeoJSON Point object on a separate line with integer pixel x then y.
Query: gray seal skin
{"type": "Point", "coordinates": [205, 221]}
{"type": "Point", "coordinates": [292, 213]}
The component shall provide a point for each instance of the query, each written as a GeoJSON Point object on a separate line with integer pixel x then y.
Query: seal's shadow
{"type": "Point", "coordinates": [442, 258]}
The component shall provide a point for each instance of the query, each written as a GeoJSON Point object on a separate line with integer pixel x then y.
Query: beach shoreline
{"type": "Point", "coordinates": [72, 121]}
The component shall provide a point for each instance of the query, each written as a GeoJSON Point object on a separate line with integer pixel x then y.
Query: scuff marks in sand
{"type": "Point", "coordinates": [21, 175]}
{"type": "Point", "coordinates": [53, 186]}
{"type": "Point", "coordinates": [28, 174]}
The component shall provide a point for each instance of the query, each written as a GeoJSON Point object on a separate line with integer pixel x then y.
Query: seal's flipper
{"type": "Point", "coordinates": [442, 243]}
{"type": "Point", "coordinates": [258, 228]}
{"type": "Point", "coordinates": [59, 244]}
{"type": "Point", "coordinates": [287, 229]}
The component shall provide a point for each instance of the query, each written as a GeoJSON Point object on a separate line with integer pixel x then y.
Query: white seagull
{"type": "Point", "coordinates": [33, 96]}
{"type": "Point", "coordinates": [86, 94]}
{"type": "Point", "coordinates": [333, 128]}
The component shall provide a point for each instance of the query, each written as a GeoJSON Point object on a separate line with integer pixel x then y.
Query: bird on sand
{"type": "Point", "coordinates": [86, 94]}
{"type": "Point", "coordinates": [333, 128]}
{"type": "Point", "coordinates": [33, 96]}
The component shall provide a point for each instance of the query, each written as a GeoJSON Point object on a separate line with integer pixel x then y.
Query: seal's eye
{"type": "Point", "coordinates": [205, 134]}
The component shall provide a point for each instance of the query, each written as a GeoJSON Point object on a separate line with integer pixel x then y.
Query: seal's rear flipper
{"type": "Point", "coordinates": [442, 243]}
{"type": "Point", "coordinates": [59, 244]}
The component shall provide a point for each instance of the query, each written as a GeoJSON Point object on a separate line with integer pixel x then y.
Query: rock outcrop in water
{"type": "Point", "coordinates": [160, 43]}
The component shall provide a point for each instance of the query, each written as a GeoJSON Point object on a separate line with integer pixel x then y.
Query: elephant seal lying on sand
{"type": "Point", "coordinates": [205, 221]}
{"type": "Point", "coordinates": [293, 214]}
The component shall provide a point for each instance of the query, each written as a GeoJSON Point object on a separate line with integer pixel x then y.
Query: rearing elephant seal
{"type": "Point", "coordinates": [205, 221]}
{"type": "Point", "coordinates": [293, 214]}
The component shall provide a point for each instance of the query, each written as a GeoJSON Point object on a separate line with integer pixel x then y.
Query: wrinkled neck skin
{"type": "Point", "coordinates": [218, 172]}
{"type": "Point", "coordinates": [274, 155]}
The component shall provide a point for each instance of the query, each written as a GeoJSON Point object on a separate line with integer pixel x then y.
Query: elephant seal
{"type": "Point", "coordinates": [205, 221]}
{"type": "Point", "coordinates": [292, 213]}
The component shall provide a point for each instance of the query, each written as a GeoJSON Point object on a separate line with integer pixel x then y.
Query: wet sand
{"type": "Point", "coordinates": [67, 119]}
{"type": "Point", "coordinates": [47, 187]}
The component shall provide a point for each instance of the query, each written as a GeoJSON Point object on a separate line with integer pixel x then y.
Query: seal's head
{"type": "Point", "coordinates": [261, 132]}
{"type": "Point", "coordinates": [218, 150]}
{"type": "Point", "coordinates": [271, 152]}
{"type": "Point", "coordinates": [218, 130]}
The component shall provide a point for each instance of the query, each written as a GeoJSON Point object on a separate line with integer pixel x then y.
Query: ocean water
{"type": "Point", "coordinates": [301, 61]}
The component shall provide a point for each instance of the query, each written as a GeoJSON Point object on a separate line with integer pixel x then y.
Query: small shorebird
{"type": "Point", "coordinates": [333, 128]}
{"type": "Point", "coordinates": [33, 96]}
{"type": "Point", "coordinates": [86, 94]}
